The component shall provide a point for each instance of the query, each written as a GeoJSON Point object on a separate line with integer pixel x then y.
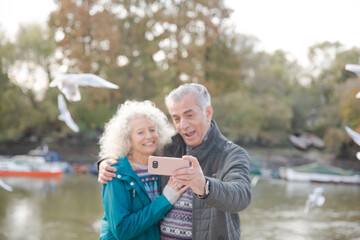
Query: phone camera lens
{"type": "Point", "coordinates": [155, 164]}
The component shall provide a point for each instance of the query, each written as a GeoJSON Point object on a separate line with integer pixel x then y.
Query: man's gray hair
{"type": "Point", "coordinates": [202, 96]}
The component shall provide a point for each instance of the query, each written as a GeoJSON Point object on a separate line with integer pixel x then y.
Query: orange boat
{"type": "Point", "coordinates": [30, 173]}
{"type": "Point", "coordinates": [30, 166]}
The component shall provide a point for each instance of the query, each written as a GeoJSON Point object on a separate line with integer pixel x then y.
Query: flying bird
{"type": "Point", "coordinates": [355, 68]}
{"type": "Point", "coordinates": [314, 198]}
{"type": "Point", "coordinates": [355, 137]}
{"type": "Point", "coordinates": [69, 84]}
{"type": "Point", "coordinates": [254, 180]}
{"type": "Point", "coordinates": [65, 114]}
{"type": "Point", "coordinates": [5, 186]}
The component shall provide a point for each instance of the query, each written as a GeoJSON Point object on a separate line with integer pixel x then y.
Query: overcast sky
{"type": "Point", "coordinates": [291, 25]}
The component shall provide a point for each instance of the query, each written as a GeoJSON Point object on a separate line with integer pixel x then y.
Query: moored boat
{"type": "Point", "coordinates": [37, 163]}
{"type": "Point", "coordinates": [306, 140]}
{"type": "Point", "coordinates": [315, 172]}
{"type": "Point", "coordinates": [32, 166]}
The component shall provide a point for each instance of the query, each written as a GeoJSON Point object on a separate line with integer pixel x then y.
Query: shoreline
{"type": "Point", "coordinates": [85, 152]}
{"type": "Point", "coordinates": [273, 158]}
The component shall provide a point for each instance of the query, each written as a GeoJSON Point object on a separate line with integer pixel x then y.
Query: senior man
{"type": "Point", "coordinates": [218, 179]}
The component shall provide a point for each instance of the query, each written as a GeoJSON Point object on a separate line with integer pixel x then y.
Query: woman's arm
{"type": "Point", "coordinates": [123, 223]}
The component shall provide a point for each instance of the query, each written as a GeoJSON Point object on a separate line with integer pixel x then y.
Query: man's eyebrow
{"type": "Point", "coordinates": [187, 111]}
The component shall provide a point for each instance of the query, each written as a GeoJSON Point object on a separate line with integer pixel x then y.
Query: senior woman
{"type": "Point", "coordinates": [132, 201]}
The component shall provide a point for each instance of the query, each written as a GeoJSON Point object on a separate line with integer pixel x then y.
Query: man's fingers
{"type": "Point", "coordinates": [100, 181]}
{"type": "Point", "coordinates": [110, 174]}
{"type": "Point", "coordinates": [183, 176]}
{"type": "Point", "coordinates": [107, 162]}
{"type": "Point", "coordinates": [183, 182]}
{"type": "Point", "coordinates": [110, 169]}
{"type": "Point", "coordinates": [193, 160]}
{"type": "Point", "coordinates": [106, 177]}
{"type": "Point", "coordinates": [112, 161]}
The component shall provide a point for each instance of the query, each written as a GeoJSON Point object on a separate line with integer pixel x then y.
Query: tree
{"type": "Point", "coordinates": [16, 109]}
{"type": "Point", "coordinates": [146, 47]}
{"type": "Point", "coordinates": [35, 59]}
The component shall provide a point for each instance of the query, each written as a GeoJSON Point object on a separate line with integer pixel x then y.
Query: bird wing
{"type": "Point", "coordinates": [56, 81]}
{"type": "Point", "coordinates": [5, 186]}
{"type": "Point", "coordinates": [320, 201]}
{"type": "Point", "coordinates": [307, 206]}
{"type": "Point", "coordinates": [65, 114]}
{"type": "Point", "coordinates": [87, 79]}
{"type": "Point", "coordinates": [354, 135]}
{"type": "Point", "coordinates": [355, 68]}
{"type": "Point", "coordinates": [62, 104]}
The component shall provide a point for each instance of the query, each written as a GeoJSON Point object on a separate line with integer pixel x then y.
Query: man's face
{"type": "Point", "coordinates": [191, 123]}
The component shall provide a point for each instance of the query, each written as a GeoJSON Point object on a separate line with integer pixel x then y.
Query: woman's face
{"type": "Point", "coordinates": [143, 137]}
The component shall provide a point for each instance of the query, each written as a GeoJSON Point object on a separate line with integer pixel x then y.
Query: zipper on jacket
{"type": "Point", "coordinates": [188, 150]}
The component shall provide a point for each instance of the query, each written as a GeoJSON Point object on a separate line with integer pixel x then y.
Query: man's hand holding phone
{"type": "Point", "coordinates": [192, 177]}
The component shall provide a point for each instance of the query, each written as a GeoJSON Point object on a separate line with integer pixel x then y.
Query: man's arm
{"type": "Point", "coordinates": [233, 192]}
{"type": "Point", "coordinates": [230, 194]}
{"type": "Point", "coordinates": [106, 172]}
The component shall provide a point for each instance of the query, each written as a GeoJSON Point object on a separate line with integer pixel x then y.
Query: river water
{"type": "Point", "coordinates": [70, 208]}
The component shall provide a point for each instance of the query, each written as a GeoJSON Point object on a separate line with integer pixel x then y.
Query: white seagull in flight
{"type": "Point", "coordinates": [355, 137]}
{"type": "Point", "coordinates": [69, 84]}
{"type": "Point", "coordinates": [314, 198]}
{"type": "Point", "coordinates": [355, 68]}
{"type": "Point", "coordinates": [65, 114]}
{"type": "Point", "coordinates": [5, 186]}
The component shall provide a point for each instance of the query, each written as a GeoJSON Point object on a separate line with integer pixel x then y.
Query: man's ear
{"type": "Point", "coordinates": [209, 112]}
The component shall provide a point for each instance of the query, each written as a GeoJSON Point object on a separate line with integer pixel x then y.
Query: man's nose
{"type": "Point", "coordinates": [184, 124]}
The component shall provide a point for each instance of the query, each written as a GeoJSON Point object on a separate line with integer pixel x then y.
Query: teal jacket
{"type": "Point", "coordinates": [129, 212]}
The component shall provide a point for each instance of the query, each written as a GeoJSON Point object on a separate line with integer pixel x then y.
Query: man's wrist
{"type": "Point", "coordinates": [207, 190]}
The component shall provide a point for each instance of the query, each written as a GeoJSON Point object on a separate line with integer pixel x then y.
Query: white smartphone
{"type": "Point", "coordinates": [166, 165]}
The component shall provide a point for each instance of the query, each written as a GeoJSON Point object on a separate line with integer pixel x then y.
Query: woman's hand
{"type": "Point", "coordinates": [179, 188]}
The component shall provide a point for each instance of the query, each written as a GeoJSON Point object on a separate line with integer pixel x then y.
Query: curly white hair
{"type": "Point", "coordinates": [115, 141]}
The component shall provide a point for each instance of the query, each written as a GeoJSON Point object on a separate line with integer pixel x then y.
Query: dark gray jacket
{"type": "Point", "coordinates": [226, 166]}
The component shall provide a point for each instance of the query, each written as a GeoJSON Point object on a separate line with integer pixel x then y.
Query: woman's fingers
{"type": "Point", "coordinates": [182, 189]}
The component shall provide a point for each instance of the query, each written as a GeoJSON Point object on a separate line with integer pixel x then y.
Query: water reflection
{"type": "Point", "coordinates": [65, 208]}
{"type": "Point", "coordinates": [277, 212]}
{"type": "Point", "coordinates": [23, 219]}
{"type": "Point", "coordinates": [33, 184]}
{"type": "Point", "coordinates": [70, 208]}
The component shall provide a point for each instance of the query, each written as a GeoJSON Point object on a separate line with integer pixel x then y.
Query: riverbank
{"type": "Point", "coordinates": [84, 152]}
{"type": "Point", "coordinates": [273, 158]}
{"type": "Point", "coordinates": [71, 150]}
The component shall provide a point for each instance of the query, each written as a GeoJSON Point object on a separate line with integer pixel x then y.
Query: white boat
{"type": "Point", "coordinates": [306, 140]}
{"type": "Point", "coordinates": [37, 163]}
{"type": "Point", "coordinates": [314, 172]}
{"type": "Point", "coordinates": [36, 166]}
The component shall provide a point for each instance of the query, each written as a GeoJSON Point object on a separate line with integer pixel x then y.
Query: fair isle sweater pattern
{"type": "Point", "coordinates": [151, 182]}
{"type": "Point", "coordinates": [177, 223]}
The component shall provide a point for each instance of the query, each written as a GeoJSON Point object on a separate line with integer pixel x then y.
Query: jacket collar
{"type": "Point", "coordinates": [124, 168]}
{"type": "Point", "coordinates": [212, 139]}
